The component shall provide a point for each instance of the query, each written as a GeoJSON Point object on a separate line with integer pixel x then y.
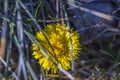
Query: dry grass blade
{"type": "Point", "coordinates": [4, 29]}
{"type": "Point", "coordinates": [20, 44]}
{"type": "Point", "coordinates": [96, 13]}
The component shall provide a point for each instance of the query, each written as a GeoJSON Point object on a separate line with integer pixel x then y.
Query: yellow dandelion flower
{"type": "Point", "coordinates": [59, 39]}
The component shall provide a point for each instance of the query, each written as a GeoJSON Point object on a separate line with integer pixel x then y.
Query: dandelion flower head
{"type": "Point", "coordinates": [58, 45]}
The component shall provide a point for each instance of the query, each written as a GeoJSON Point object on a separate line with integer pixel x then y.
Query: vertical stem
{"type": "Point", "coordinates": [4, 29]}
{"type": "Point", "coordinates": [8, 55]}
{"type": "Point", "coordinates": [3, 35]}
{"type": "Point", "coordinates": [20, 44]}
{"type": "Point", "coordinates": [61, 13]}
{"type": "Point", "coordinates": [31, 7]}
{"type": "Point", "coordinates": [43, 15]}
{"type": "Point", "coordinates": [57, 8]}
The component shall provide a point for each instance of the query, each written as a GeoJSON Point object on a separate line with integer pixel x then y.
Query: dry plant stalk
{"type": "Point", "coordinates": [2, 47]}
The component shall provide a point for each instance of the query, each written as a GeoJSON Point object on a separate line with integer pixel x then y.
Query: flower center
{"type": "Point", "coordinates": [58, 48]}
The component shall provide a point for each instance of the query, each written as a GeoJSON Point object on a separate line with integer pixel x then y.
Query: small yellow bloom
{"type": "Point", "coordinates": [59, 39]}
